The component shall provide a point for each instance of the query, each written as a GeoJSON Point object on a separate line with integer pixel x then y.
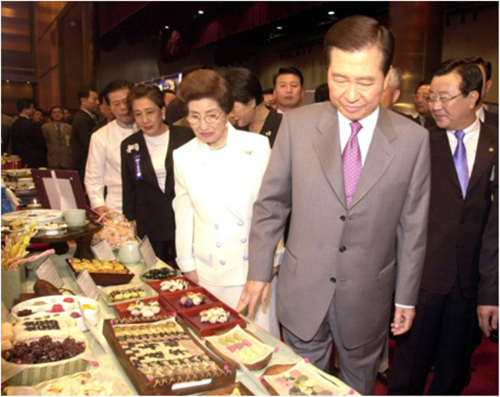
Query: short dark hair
{"type": "Point", "coordinates": [423, 82]}
{"type": "Point", "coordinates": [56, 107]}
{"type": "Point", "coordinates": [84, 93]}
{"type": "Point", "coordinates": [40, 110]}
{"type": "Point", "coordinates": [267, 91]}
{"type": "Point", "coordinates": [472, 77]}
{"type": "Point", "coordinates": [245, 85]}
{"type": "Point", "coordinates": [485, 64]}
{"type": "Point", "coordinates": [289, 70]}
{"type": "Point", "coordinates": [202, 84]}
{"type": "Point", "coordinates": [116, 85]}
{"type": "Point", "coordinates": [322, 93]}
{"type": "Point", "coordinates": [356, 33]}
{"type": "Point", "coordinates": [24, 103]}
{"type": "Point", "coordinates": [153, 93]}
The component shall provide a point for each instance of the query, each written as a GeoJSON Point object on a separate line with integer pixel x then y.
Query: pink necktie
{"type": "Point", "coordinates": [351, 159]}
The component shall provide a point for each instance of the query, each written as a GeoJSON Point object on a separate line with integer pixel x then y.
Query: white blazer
{"type": "Point", "coordinates": [214, 196]}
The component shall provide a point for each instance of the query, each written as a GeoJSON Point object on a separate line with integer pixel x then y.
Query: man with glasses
{"type": "Point", "coordinates": [460, 278]}
{"type": "Point", "coordinates": [423, 117]}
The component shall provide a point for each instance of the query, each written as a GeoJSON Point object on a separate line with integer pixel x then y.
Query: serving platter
{"type": "Point", "coordinates": [122, 309]}
{"type": "Point", "coordinates": [137, 291]}
{"type": "Point", "coordinates": [101, 277]}
{"type": "Point", "coordinates": [156, 285]}
{"type": "Point", "coordinates": [43, 216]}
{"type": "Point", "coordinates": [175, 299]}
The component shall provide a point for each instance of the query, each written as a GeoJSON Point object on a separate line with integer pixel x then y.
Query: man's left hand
{"type": "Point", "coordinates": [488, 318]}
{"type": "Point", "coordinates": [403, 320]}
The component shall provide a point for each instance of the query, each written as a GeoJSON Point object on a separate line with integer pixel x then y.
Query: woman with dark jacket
{"type": "Point", "coordinates": [147, 170]}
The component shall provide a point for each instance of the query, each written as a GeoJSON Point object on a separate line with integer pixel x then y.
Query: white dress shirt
{"type": "Point", "coordinates": [471, 139]}
{"type": "Point", "coordinates": [104, 165]}
{"type": "Point", "coordinates": [157, 148]}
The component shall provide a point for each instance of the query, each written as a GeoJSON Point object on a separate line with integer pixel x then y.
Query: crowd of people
{"type": "Point", "coordinates": [330, 223]}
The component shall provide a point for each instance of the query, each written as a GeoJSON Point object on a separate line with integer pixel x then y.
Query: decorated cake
{"type": "Point", "coordinates": [214, 315]}
{"type": "Point", "coordinates": [164, 353]}
{"type": "Point", "coordinates": [242, 346]}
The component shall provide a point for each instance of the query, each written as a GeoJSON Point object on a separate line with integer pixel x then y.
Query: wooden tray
{"type": "Point", "coordinates": [173, 298]}
{"type": "Point", "coordinates": [156, 284]}
{"type": "Point", "coordinates": [176, 385]}
{"type": "Point", "coordinates": [334, 388]}
{"type": "Point", "coordinates": [211, 342]}
{"type": "Point", "coordinates": [165, 309]}
{"type": "Point", "coordinates": [105, 278]}
{"type": "Point", "coordinates": [227, 390]}
{"type": "Point", "coordinates": [192, 317]}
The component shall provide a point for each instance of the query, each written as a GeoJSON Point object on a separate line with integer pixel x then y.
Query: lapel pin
{"type": "Point", "coordinates": [492, 149]}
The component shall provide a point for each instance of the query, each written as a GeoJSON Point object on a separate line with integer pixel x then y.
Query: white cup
{"type": "Point", "coordinates": [129, 252]}
{"type": "Point", "coordinates": [75, 217]}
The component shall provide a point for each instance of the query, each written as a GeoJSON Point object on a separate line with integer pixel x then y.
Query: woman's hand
{"type": "Point", "coordinates": [193, 276]}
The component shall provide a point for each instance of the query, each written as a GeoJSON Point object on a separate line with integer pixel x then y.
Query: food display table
{"type": "Point", "coordinates": [106, 360]}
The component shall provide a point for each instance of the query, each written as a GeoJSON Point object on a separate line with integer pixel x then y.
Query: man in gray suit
{"type": "Point", "coordinates": [352, 197]}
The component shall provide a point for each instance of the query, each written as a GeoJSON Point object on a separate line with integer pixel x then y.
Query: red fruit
{"type": "Point", "coordinates": [57, 308]}
{"type": "Point", "coordinates": [69, 300]}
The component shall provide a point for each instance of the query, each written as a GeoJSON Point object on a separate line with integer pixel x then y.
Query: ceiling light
{"type": "Point", "coordinates": [7, 81]}
{"type": "Point", "coordinates": [201, 12]}
{"type": "Point", "coordinates": [28, 82]}
{"type": "Point", "coordinates": [167, 27]}
{"type": "Point", "coordinates": [279, 27]}
{"type": "Point", "coordinates": [331, 12]}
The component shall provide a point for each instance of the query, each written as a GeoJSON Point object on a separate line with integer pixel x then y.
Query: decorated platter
{"type": "Point", "coordinates": [126, 293]}
{"type": "Point", "coordinates": [241, 346]}
{"type": "Point", "coordinates": [189, 298]}
{"type": "Point", "coordinates": [103, 272]}
{"type": "Point", "coordinates": [59, 305]}
{"type": "Point", "coordinates": [143, 308]}
{"type": "Point", "coordinates": [43, 216]}
{"type": "Point", "coordinates": [207, 320]}
{"type": "Point", "coordinates": [171, 285]}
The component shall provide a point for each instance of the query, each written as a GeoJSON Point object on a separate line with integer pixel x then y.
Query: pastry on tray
{"type": "Point", "coordinates": [241, 346]}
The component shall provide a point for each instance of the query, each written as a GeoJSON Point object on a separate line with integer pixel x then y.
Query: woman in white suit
{"type": "Point", "coordinates": [217, 179]}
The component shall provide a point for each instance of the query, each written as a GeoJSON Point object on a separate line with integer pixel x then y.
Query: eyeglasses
{"type": "Point", "coordinates": [210, 118]}
{"type": "Point", "coordinates": [443, 99]}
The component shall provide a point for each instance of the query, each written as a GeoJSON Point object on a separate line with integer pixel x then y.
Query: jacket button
{"type": "Point", "coordinates": [343, 218]}
{"type": "Point", "coordinates": [243, 240]}
{"type": "Point", "coordinates": [333, 279]}
{"type": "Point", "coordinates": [240, 223]}
{"type": "Point", "coordinates": [222, 262]}
{"type": "Point", "coordinates": [218, 244]}
{"type": "Point", "coordinates": [342, 249]}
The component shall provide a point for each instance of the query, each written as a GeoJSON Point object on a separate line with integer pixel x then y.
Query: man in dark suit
{"type": "Point", "coordinates": [460, 274]}
{"type": "Point", "coordinates": [483, 114]}
{"type": "Point", "coordinates": [82, 124]}
{"type": "Point", "coordinates": [424, 117]}
{"type": "Point", "coordinates": [354, 176]}
{"type": "Point", "coordinates": [27, 138]}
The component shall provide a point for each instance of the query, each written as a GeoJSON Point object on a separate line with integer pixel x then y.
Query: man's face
{"type": "Point", "coordinates": [91, 103]}
{"type": "Point", "coordinates": [67, 115]}
{"type": "Point", "coordinates": [288, 91]}
{"type": "Point", "coordinates": [37, 116]}
{"type": "Point", "coordinates": [118, 105]}
{"type": "Point", "coordinates": [458, 111]}
{"type": "Point", "coordinates": [270, 101]}
{"type": "Point", "coordinates": [420, 100]}
{"type": "Point", "coordinates": [31, 111]}
{"type": "Point", "coordinates": [105, 110]}
{"type": "Point", "coordinates": [57, 115]}
{"type": "Point", "coordinates": [356, 81]}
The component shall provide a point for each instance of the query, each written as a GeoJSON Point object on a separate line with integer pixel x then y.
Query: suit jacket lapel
{"type": "Point", "coordinates": [326, 143]}
{"type": "Point", "coordinates": [169, 160]}
{"type": "Point", "coordinates": [486, 150]}
{"type": "Point", "coordinates": [441, 154]}
{"type": "Point", "coordinates": [379, 156]}
{"type": "Point", "coordinates": [148, 171]}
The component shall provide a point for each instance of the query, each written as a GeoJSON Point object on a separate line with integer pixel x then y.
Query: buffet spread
{"type": "Point", "coordinates": [148, 332]}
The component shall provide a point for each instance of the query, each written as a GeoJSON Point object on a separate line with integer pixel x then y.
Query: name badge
{"type": "Point", "coordinates": [138, 167]}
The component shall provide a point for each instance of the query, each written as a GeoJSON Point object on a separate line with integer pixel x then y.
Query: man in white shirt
{"type": "Point", "coordinates": [288, 88]}
{"type": "Point", "coordinates": [103, 170]}
{"type": "Point", "coordinates": [460, 277]}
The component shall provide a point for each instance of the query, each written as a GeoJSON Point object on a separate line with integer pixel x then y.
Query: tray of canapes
{"type": "Point", "coordinates": [87, 383]}
{"type": "Point", "coordinates": [208, 319]}
{"type": "Point", "coordinates": [143, 308]}
{"type": "Point", "coordinates": [302, 379]}
{"type": "Point", "coordinates": [161, 358]}
{"type": "Point", "coordinates": [236, 389]}
{"type": "Point", "coordinates": [126, 293]}
{"type": "Point", "coordinates": [103, 272]}
{"type": "Point", "coordinates": [241, 346]}
{"type": "Point", "coordinates": [46, 307]}
{"type": "Point", "coordinates": [35, 350]}
{"type": "Point", "coordinates": [174, 284]}
{"type": "Point", "coordinates": [194, 297]}
{"type": "Point", "coordinates": [159, 273]}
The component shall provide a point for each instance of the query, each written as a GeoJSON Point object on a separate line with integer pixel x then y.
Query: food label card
{"type": "Point", "coordinates": [103, 251]}
{"type": "Point", "coordinates": [87, 285]}
{"type": "Point", "coordinates": [148, 254]}
{"type": "Point", "coordinates": [47, 271]}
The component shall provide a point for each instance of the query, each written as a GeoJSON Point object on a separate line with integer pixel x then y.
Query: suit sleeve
{"type": "Point", "coordinates": [488, 257]}
{"type": "Point", "coordinates": [412, 230]}
{"type": "Point", "coordinates": [128, 186]}
{"type": "Point", "coordinates": [271, 208]}
{"type": "Point", "coordinates": [184, 220]}
{"type": "Point", "coordinates": [95, 170]}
